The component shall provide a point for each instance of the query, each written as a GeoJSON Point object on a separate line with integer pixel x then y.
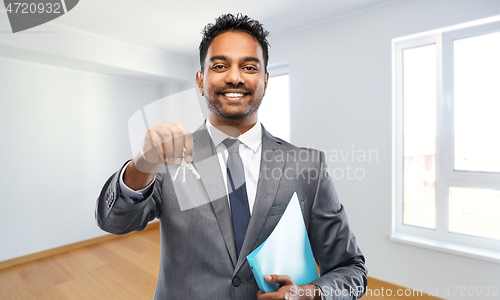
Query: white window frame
{"type": "Point", "coordinates": [276, 70]}
{"type": "Point", "coordinates": [438, 238]}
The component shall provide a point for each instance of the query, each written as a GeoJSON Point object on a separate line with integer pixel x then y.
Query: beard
{"type": "Point", "coordinates": [232, 111]}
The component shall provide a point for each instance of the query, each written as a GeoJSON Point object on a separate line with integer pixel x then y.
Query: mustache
{"type": "Point", "coordinates": [231, 86]}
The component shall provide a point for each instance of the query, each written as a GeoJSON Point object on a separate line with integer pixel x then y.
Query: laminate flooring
{"type": "Point", "coordinates": [122, 268]}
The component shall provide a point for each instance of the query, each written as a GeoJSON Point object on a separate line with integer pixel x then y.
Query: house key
{"type": "Point", "coordinates": [184, 165]}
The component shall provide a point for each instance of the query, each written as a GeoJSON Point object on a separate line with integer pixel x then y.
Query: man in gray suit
{"type": "Point", "coordinates": [209, 224]}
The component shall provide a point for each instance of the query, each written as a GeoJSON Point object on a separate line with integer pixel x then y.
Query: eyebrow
{"type": "Point", "coordinates": [245, 59]}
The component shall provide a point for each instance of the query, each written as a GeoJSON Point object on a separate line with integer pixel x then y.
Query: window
{"type": "Point", "coordinates": [274, 112]}
{"type": "Point", "coordinates": [447, 140]}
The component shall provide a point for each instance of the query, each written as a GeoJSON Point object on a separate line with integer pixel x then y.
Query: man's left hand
{"type": "Point", "coordinates": [289, 290]}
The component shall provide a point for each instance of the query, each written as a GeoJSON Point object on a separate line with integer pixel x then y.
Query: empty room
{"type": "Point", "coordinates": [284, 149]}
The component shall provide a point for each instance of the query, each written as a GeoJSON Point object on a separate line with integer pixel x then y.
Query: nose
{"type": "Point", "coordinates": [233, 75]}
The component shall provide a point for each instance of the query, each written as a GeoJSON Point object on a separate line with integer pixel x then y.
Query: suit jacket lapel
{"type": "Point", "coordinates": [267, 188]}
{"type": "Point", "coordinates": [207, 164]}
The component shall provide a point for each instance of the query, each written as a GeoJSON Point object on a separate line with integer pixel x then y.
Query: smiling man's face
{"type": "Point", "coordinates": [234, 80]}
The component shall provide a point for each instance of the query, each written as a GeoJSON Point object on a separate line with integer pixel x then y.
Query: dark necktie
{"type": "Point", "coordinates": [237, 190]}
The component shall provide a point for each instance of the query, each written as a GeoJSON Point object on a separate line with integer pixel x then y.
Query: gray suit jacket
{"type": "Point", "coordinates": [198, 255]}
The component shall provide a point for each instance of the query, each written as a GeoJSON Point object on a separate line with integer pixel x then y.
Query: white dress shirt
{"type": "Point", "coordinates": [250, 151]}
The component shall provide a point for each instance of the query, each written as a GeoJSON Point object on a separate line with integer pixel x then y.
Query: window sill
{"type": "Point", "coordinates": [448, 247]}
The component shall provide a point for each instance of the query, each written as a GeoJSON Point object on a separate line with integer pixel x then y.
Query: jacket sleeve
{"type": "Point", "coordinates": [116, 215]}
{"type": "Point", "coordinates": [342, 265]}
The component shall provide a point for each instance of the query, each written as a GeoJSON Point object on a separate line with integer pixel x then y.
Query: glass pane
{"type": "Point", "coordinates": [274, 111]}
{"type": "Point", "coordinates": [475, 212]}
{"type": "Point", "coordinates": [419, 94]}
{"type": "Point", "coordinates": [477, 103]}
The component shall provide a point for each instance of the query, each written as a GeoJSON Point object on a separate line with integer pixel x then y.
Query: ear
{"type": "Point", "coordinates": [199, 82]}
{"type": "Point", "coordinates": [266, 79]}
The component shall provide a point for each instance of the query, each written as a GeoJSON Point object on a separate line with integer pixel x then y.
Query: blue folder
{"type": "Point", "coordinates": [287, 251]}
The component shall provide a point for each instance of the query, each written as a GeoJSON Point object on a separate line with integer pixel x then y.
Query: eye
{"type": "Point", "coordinates": [218, 67]}
{"type": "Point", "coordinates": [250, 68]}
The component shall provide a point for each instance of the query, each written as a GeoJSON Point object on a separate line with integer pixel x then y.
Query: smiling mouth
{"type": "Point", "coordinates": [234, 95]}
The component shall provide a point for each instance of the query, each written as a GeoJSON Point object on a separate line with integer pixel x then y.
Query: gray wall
{"type": "Point", "coordinates": [63, 133]}
{"type": "Point", "coordinates": [65, 100]}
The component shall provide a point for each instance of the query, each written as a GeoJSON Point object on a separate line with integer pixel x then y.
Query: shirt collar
{"type": "Point", "coordinates": [252, 138]}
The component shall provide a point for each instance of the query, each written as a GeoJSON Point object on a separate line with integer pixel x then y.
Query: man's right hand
{"type": "Point", "coordinates": [163, 144]}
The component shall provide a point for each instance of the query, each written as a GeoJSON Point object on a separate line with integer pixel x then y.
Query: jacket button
{"type": "Point", "coordinates": [110, 199]}
{"type": "Point", "coordinates": [236, 281]}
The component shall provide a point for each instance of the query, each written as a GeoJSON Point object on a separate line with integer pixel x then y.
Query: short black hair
{"type": "Point", "coordinates": [230, 22]}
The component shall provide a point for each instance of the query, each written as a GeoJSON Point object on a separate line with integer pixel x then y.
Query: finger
{"type": "Point", "coordinates": [188, 143]}
{"type": "Point", "coordinates": [178, 140]}
{"type": "Point", "coordinates": [259, 295]}
{"type": "Point", "coordinates": [279, 279]}
{"type": "Point", "coordinates": [166, 141]}
{"type": "Point", "coordinates": [153, 147]}
{"type": "Point", "coordinates": [271, 295]}
{"type": "Point", "coordinates": [266, 296]}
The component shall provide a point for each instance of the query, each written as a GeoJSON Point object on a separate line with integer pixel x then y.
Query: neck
{"type": "Point", "coordinates": [243, 125]}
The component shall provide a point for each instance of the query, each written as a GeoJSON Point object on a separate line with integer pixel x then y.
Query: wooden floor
{"type": "Point", "coordinates": [381, 290]}
{"type": "Point", "coordinates": [123, 268]}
